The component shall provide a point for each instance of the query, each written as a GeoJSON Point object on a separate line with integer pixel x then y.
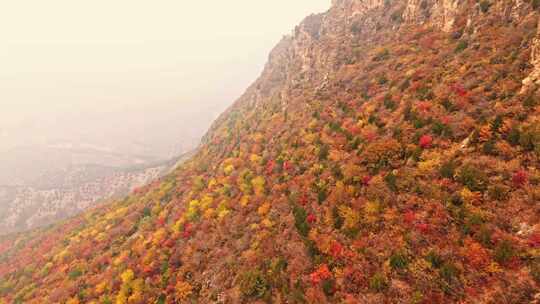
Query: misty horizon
{"type": "Point", "coordinates": [151, 84]}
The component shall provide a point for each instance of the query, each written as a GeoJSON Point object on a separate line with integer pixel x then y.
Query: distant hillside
{"type": "Point", "coordinates": [45, 166]}
{"type": "Point", "coordinates": [25, 208]}
{"type": "Point", "coordinates": [389, 153]}
{"type": "Point", "coordinates": [64, 192]}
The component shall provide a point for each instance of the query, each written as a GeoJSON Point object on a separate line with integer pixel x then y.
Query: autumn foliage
{"type": "Point", "coordinates": [376, 160]}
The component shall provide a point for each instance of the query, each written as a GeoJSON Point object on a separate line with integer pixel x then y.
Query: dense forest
{"type": "Point", "coordinates": [388, 153]}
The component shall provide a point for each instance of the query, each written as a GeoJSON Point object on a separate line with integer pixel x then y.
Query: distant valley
{"type": "Point", "coordinates": [60, 181]}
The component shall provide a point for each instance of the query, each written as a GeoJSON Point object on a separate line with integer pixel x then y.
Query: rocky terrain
{"type": "Point", "coordinates": [66, 189]}
{"type": "Point", "coordinates": [388, 153]}
{"type": "Point", "coordinates": [26, 208]}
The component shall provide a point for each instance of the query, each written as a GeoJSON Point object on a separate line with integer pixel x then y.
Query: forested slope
{"type": "Point", "coordinates": [388, 153]}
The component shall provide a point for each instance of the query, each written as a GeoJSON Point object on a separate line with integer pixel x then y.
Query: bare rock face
{"type": "Point", "coordinates": [444, 14]}
{"type": "Point", "coordinates": [512, 10]}
{"type": "Point", "coordinates": [357, 6]}
{"type": "Point", "coordinates": [534, 76]}
{"type": "Point", "coordinates": [366, 4]}
{"type": "Point", "coordinates": [441, 13]}
{"type": "Point", "coordinates": [519, 8]}
{"type": "Point", "coordinates": [415, 11]}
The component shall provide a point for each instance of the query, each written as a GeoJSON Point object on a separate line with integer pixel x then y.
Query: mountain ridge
{"type": "Point", "coordinates": [388, 153]}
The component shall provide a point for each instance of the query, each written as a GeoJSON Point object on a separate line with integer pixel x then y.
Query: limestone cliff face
{"type": "Point", "coordinates": [441, 13]}
{"type": "Point", "coordinates": [317, 47]}
{"type": "Point", "coordinates": [309, 53]}
{"type": "Point", "coordinates": [533, 79]}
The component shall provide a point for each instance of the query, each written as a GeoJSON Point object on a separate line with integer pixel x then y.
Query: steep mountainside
{"type": "Point", "coordinates": [389, 153]}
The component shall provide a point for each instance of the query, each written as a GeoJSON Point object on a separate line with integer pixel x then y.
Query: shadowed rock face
{"type": "Point", "coordinates": [384, 155]}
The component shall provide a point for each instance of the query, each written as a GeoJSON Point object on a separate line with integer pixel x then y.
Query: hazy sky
{"type": "Point", "coordinates": [112, 72]}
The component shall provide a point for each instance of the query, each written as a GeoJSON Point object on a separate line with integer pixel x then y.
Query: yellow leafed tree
{"type": "Point", "coordinates": [127, 276]}
{"type": "Point", "coordinates": [183, 290]}
{"type": "Point", "coordinates": [258, 185]}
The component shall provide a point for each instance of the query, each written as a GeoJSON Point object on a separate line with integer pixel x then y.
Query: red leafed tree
{"type": "Point", "coordinates": [459, 90]}
{"type": "Point", "coordinates": [520, 178]}
{"type": "Point", "coordinates": [409, 217]}
{"type": "Point", "coordinates": [426, 141]}
{"type": "Point", "coordinates": [336, 250]}
{"type": "Point", "coordinates": [477, 256]}
{"type": "Point", "coordinates": [322, 273]}
{"type": "Point", "coordinates": [534, 240]}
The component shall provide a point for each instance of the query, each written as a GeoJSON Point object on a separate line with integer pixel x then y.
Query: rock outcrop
{"type": "Point", "coordinates": [533, 79]}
